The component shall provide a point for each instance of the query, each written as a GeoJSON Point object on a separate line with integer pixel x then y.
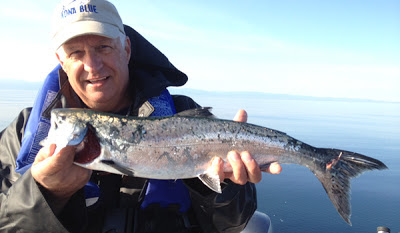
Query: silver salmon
{"type": "Point", "coordinates": [184, 145]}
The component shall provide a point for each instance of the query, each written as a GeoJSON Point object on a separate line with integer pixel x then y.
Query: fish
{"type": "Point", "coordinates": [184, 145]}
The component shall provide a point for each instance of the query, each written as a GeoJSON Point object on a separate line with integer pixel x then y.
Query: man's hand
{"type": "Point", "coordinates": [58, 174]}
{"type": "Point", "coordinates": [244, 167]}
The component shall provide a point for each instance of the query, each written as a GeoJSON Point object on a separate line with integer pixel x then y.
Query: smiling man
{"type": "Point", "coordinates": [109, 67]}
{"type": "Point", "coordinates": [97, 69]}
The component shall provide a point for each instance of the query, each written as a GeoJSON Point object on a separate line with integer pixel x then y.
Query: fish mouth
{"type": "Point", "coordinates": [77, 139]}
{"type": "Point", "coordinates": [89, 149]}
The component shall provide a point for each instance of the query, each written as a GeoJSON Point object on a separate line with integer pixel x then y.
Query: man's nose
{"type": "Point", "coordinates": [93, 62]}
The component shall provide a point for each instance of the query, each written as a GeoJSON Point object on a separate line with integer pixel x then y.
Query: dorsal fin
{"type": "Point", "coordinates": [197, 112]}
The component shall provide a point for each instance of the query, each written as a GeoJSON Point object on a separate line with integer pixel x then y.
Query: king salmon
{"type": "Point", "coordinates": [183, 146]}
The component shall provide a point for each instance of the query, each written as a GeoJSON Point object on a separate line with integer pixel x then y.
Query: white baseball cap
{"type": "Point", "coordinates": [74, 18]}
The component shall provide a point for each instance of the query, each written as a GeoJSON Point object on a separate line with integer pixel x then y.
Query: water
{"type": "Point", "coordinates": [295, 200]}
{"type": "Point", "coordinates": [12, 102]}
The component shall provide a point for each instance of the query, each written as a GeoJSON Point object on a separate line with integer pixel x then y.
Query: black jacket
{"type": "Point", "coordinates": [25, 207]}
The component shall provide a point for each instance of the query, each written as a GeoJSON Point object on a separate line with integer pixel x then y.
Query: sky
{"type": "Point", "coordinates": [341, 48]}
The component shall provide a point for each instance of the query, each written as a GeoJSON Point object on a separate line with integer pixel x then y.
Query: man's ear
{"type": "Point", "coordinates": [128, 49]}
{"type": "Point", "coordinates": [59, 59]}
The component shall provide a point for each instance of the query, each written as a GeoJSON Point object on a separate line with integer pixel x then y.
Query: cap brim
{"type": "Point", "coordinates": [85, 28]}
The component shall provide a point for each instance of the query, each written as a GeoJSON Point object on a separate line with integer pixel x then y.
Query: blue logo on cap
{"type": "Point", "coordinates": [84, 7]}
{"type": "Point", "coordinates": [88, 8]}
{"type": "Point", "coordinates": [67, 12]}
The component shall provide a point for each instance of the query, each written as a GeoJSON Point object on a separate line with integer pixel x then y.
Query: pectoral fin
{"type": "Point", "coordinates": [211, 181]}
{"type": "Point", "coordinates": [121, 169]}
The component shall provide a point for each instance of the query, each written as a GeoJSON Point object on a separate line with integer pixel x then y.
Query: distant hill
{"type": "Point", "coordinates": [262, 95]}
{"type": "Point", "coordinates": [8, 84]}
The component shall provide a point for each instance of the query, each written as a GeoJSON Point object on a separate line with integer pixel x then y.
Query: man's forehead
{"type": "Point", "coordinates": [87, 39]}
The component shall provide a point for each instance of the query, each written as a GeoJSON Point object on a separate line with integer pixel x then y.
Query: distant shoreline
{"type": "Point", "coordinates": [262, 95]}
{"type": "Point", "coordinates": [7, 84]}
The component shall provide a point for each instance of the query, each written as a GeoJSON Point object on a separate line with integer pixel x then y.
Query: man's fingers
{"type": "Point", "coordinates": [52, 163]}
{"type": "Point", "coordinates": [218, 168]}
{"type": "Point", "coordinates": [244, 167]}
{"type": "Point", "coordinates": [66, 155]}
{"type": "Point", "coordinates": [63, 159]}
{"type": "Point", "coordinates": [44, 153]}
{"type": "Point", "coordinates": [241, 116]}
{"type": "Point", "coordinates": [274, 168]}
{"type": "Point", "coordinates": [253, 170]}
{"type": "Point", "coordinates": [239, 174]}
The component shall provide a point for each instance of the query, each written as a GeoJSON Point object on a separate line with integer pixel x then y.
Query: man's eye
{"type": "Point", "coordinates": [104, 48]}
{"type": "Point", "coordinates": [75, 53]}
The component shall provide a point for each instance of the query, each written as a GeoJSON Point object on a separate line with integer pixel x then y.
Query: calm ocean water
{"type": "Point", "coordinates": [295, 200]}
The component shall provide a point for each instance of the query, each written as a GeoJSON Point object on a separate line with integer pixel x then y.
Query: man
{"type": "Point", "coordinates": [111, 68]}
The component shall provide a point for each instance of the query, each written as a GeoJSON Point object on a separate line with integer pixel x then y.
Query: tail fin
{"type": "Point", "coordinates": [335, 176]}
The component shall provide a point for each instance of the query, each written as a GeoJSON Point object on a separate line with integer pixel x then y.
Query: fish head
{"type": "Point", "coordinates": [72, 127]}
{"type": "Point", "coordinates": [67, 128]}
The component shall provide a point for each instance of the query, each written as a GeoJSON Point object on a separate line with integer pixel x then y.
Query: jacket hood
{"type": "Point", "coordinates": [150, 70]}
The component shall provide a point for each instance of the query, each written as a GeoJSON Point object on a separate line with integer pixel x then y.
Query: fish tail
{"type": "Point", "coordinates": [335, 176]}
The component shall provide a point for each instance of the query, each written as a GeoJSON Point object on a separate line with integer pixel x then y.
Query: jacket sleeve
{"type": "Point", "coordinates": [229, 211]}
{"type": "Point", "coordinates": [23, 207]}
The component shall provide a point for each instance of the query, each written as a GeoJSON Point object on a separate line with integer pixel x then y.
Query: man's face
{"type": "Point", "coordinates": [97, 69]}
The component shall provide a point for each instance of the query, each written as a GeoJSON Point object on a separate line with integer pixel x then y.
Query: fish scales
{"type": "Point", "coordinates": [183, 146]}
{"type": "Point", "coordinates": [175, 141]}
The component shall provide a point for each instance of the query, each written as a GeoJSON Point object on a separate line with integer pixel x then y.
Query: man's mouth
{"type": "Point", "coordinates": [97, 80]}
